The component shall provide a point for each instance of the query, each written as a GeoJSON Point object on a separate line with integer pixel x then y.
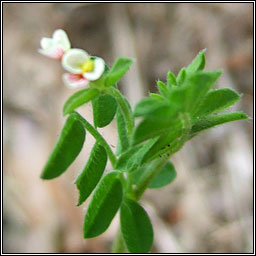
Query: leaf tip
{"type": "Point", "coordinates": [78, 203]}
{"type": "Point", "coordinates": [64, 112]}
{"type": "Point", "coordinates": [43, 176]}
{"type": "Point", "coordinates": [203, 51]}
{"type": "Point", "coordinates": [244, 116]}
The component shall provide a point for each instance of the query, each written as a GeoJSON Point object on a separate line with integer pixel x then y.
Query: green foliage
{"type": "Point", "coordinates": [184, 106]}
{"type": "Point", "coordinates": [217, 100]}
{"type": "Point", "coordinates": [136, 227]}
{"type": "Point", "coordinates": [118, 70]}
{"type": "Point", "coordinates": [156, 96]}
{"type": "Point", "coordinates": [164, 177]}
{"type": "Point", "coordinates": [171, 80]}
{"type": "Point", "coordinates": [162, 88]}
{"type": "Point", "coordinates": [91, 174]}
{"type": "Point", "coordinates": [154, 108]}
{"type": "Point", "coordinates": [132, 159]}
{"type": "Point", "coordinates": [123, 140]}
{"type": "Point", "coordinates": [67, 148]}
{"type": "Point", "coordinates": [79, 98]}
{"type": "Point", "coordinates": [211, 121]}
{"type": "Point", "coordinates": [181, 76]}
{"type": "Point", "coordinates": [104, 205]}
{"type": "Point", "coordinates": [163, 144]}
{"type": "Point", "coordinates": [198, 63]}
{"type": "Point", "coordinates": [150, 128]}
{"type": "Point", "coordinates": [195, 87]}
{"type": "Point", "coordinates": [104, 110]}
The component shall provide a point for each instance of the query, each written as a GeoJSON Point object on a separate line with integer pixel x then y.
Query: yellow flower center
{"type": "Point", "coordinates": [88, 66]}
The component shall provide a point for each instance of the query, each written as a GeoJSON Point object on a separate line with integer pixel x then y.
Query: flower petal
{"type": "Point", "coordinates": [74, 80]}
{"type": "Point", "coordinates": [60, 39]}
{"type": "Point", "coordinates": [99, 67]}
{"type": "Point", "coordinates": [55, 53]}
{"type": "Point", "coordinates": [46, 43]}
{"type": "Point", "coordinates": [74, 59]}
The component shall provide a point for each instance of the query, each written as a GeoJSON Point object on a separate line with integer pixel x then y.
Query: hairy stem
{"type": "Point", "coordinates": [98, 137]}
{"type": "Point", "coordinates": [125, 109]}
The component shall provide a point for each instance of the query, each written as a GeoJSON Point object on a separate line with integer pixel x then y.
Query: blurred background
{"type": "Point", "coordinates": [209, 207]}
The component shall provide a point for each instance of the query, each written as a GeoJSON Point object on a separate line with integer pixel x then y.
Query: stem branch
{"type": "Point", "coordinates": [125, 109]}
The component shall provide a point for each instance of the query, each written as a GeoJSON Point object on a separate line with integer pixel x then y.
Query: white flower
{"type": "Point", "coordinates": [56, 46]}
{"type": "Point", "coordinates": [78, 61]}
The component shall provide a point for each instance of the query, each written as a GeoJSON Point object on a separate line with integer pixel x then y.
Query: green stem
{"type": "Point", "coordinates": [125, 109]}
{"type": "Point", "coordinates": [118, 244]}
{"type": "Point", "coordinates": [98, 138]}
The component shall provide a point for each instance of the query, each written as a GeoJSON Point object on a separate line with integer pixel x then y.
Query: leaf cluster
{"type": "Point", "coordinates": [185, 105]}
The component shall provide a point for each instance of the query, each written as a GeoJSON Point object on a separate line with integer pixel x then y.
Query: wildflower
{"type": "Point", "coordinates": [82, 67]}
{"type": "Point", "coordinates": [56, 46]}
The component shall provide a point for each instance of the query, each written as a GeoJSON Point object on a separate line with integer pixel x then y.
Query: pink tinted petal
{"type": "Point", "coordinates": [74, 80]}
{"type": "Point", "coordinates": [56, 53]}
{"type": "Point", "coordinates": [59, 52]}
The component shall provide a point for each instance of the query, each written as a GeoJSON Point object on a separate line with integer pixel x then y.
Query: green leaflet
{"type": "Point", "coordinates": [67, 148]}
{"type": "Point", "coordinates": [188, 97]}
{"type": "Point", "coordinates": [198, 63]}
{"type": "Point", "coordinates": [181, 76]}
{"type": "Point", "coordinates": [198, 85]}
{"type": "Point", "coordinates": [125, 156]}
{"type": "Point", "coordinates": [136, 227]}
{"type": "Point", "coordinates": [164, 177]}
{"type": "Point", "coordinates": [104, 110]}
{"type": "Point", "coordinates": [171, 80]}
{"type": "Point", "coordinates": [155, 109]}
{"type": "Point", "coordinates": [123, 142]}
{"type": "Point", "coordinates": [162, 88]}
{"type": "Point", "coordinates": [104, 205]}
{"type": "Point", "coordinates": [149, 128]}
{"type": "Point", "coordinates": [164, 141]}
{"type": "Point", "coordinates": [79, 98]}
{"type": "Point", "coordinates": [92, 172]}
{"type": "Point", "coordinates": [118, 70]}
{"type": "Point", "coordinates": [211, 121]}
{"type": "Point", "coordinates": [156, 96]}
{"type": "Point", "coordinates": [216, 101]}
{"type": "Point", "coordinates": [132, 159]}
